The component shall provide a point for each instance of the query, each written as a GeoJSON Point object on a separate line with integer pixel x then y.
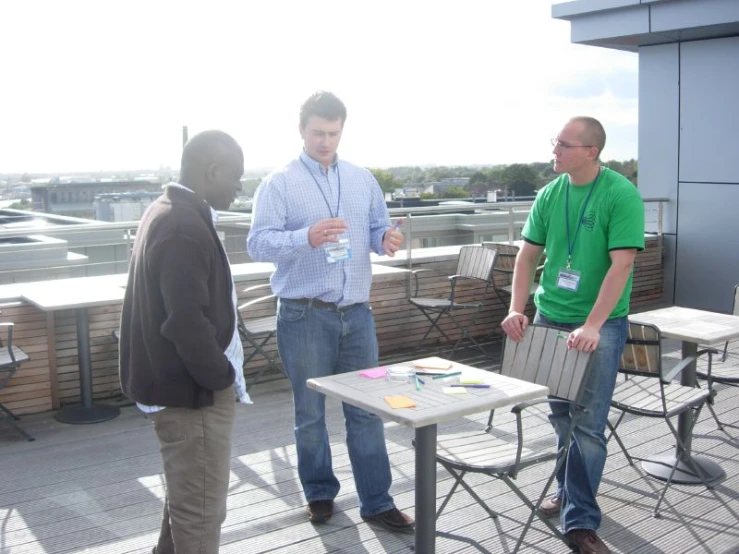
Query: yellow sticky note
{"type": "Point", "coordinates": [470, 380]}
{"type": "Point", "coordinates": [400, 401]}
{"type": "Point", "coordinates": [454, 390]}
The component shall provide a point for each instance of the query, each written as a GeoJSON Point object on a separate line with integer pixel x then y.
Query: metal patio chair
{"type": "Point", "coordinates": [11, 358]}
{"type": "Point", "coordinates": [503, 271]}
{"type": "Point", "coordinates": [650, 390]}
{"type": "Point", "coordinates": [542, 357]}
{"type": "Point", "coordinates": [475, 263]}
{"type": "Point", "coordinates": [724, 371]}
{"type": "Point", "coordinates": [257, 332]}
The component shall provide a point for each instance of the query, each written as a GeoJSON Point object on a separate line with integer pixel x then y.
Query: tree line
{"type": "Point", "coordinates": [513, 179]}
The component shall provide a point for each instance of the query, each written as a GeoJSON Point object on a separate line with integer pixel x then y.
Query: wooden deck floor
{"type": "Point", "coordinates": [99, 489]}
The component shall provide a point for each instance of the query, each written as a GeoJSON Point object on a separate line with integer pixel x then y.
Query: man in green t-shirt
{"type": "Point", "coordinates": [590, 221]}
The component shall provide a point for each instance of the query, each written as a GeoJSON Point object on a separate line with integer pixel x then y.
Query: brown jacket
{"type": "Point", "coordinates": [178, 315]}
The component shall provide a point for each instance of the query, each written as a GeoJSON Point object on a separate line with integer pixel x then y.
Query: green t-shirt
{"type": "Point", "coordinates": [612, 219]}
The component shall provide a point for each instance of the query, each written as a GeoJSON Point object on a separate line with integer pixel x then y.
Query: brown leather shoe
{"type": "Point", "coordinates": [586, 541]}
{"type": "Point", "coordinates": [392, 520]}
{"type": "Point", "coordinates": [320, 511]}
{"type": "Point", "coordinates": [550, 507]}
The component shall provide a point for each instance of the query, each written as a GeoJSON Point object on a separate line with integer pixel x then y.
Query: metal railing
{"type": "Point", "coordinates": [451, 225]}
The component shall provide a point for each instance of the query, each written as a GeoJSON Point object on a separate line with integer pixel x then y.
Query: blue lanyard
{"type": "Point", "coordinates": [571, 245]}
{"type": "Point", "coordinates": [325, 199]}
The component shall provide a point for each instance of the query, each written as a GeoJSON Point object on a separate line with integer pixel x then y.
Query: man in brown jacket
{"type": "Point", "coordinates": [179, 348]}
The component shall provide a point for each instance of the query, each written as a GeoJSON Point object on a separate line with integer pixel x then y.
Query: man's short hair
{"type": "Point", "coordinates": [208, 147]}
{"type": "Point", "coordinates": [325, 105]}
{"type": "Point", "coordinates": [594, 134]}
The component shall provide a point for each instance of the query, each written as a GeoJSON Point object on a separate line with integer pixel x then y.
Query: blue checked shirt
{"type": "Point", "coordinates": [290, 200]}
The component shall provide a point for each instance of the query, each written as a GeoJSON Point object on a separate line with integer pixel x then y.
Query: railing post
{"type": "Point", "coordinates": [660, 206]}
{"type": "Point", "coordinates": [409, 253]}
{"type": "Point", "coordinates": [510, 225]}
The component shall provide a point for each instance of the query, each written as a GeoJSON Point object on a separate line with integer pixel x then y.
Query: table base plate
{"type": "Point", "coordinates": [78, 414]}
{"type": "Point", "coordinates": [660, 466]}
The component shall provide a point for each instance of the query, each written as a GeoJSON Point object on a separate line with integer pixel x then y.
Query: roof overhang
{"type": "Point", "coordinates": [630, 24]}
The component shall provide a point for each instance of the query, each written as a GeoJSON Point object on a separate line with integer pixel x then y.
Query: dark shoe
{"type": "Point", "coordinates": [585, 541]}
{"type": "Point", "coordinates": [392, 520]}
{"type": "Point", "coordinates": [320, 511]}
{"type": "Point", "coordinates": [550, 507]}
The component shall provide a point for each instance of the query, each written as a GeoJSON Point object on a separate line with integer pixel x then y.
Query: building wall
{"type": "Point", "coordinates": [688, 145]}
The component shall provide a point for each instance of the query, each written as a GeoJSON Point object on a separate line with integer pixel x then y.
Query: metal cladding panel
{"type": "Point", "coordinates": [709, 118]}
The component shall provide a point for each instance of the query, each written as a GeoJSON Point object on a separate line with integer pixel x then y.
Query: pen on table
{"type": "Point", "coordinates": [452, 374]}
{"type": "Point", "coordinates": [419, 382]}
{"type": "Point", "coordinates": [472, 386]}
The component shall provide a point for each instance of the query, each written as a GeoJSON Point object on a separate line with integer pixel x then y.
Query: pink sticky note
{"type": "Point", "coordinates": [375, 373]}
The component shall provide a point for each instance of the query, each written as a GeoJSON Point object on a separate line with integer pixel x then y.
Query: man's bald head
{"type": "Point", "coordinates": [592, 132]}
{"type": "Point", "coordinates": [212, 166]}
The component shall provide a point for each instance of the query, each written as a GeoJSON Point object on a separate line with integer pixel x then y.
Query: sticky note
{"type": "Point", "coordinates": [400, 401]}
{"type": "Point", "coordinates": [432, 363]}
{"type": "Point", "coordinates": [470, 380]}
{"type": "Point", "coordinates": [454, 390]}
{"type": "Point", "coordinates": [375, 373]}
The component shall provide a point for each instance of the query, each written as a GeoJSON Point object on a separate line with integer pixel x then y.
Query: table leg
{"type": "Point", "coordinates": [426, 490]}
{"type": "Point", "coordinates": [86, 411]}
{"type": "Point", "coordinates": [660, 466]}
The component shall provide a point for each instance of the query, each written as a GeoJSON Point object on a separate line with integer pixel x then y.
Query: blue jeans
{"type": "Point", "coordinates": [579, 477]}
{"type": "Point", "coordinates": [315, 342]}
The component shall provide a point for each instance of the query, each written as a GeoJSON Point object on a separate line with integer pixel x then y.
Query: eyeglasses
{"type": "Point", "coordinates": [564, 146]}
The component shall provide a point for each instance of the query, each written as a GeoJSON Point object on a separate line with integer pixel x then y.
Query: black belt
{"type": "Point", "coordinates": [314, 302]}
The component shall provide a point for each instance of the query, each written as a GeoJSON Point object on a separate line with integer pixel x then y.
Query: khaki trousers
{"type": "Point", "coordinates": [196, 454]}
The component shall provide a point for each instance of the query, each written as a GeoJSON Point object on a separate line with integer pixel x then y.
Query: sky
{"type": "Point", "coordinates": [107, 85]}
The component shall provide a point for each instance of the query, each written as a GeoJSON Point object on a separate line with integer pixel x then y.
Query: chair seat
{"type": "Point", "coordinates": [479, 451]}
{"type": "Point", "coordinates": [441, 304]}
{"type": "Point", "coordinates": [724, 372]}
{"type": "Point", "coordinates": [641, 395]}
{"type": "Point", "coordinates": [20, 356]}
{"type": "Point", "coordinates": [261, 325]}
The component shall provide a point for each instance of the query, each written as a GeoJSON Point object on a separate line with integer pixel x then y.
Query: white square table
{"type": "Point", "coordinates": [79, 295]}
{"type": "Point", "coordinates": [433, 406]}
{"type": "Point", "coordinates": [692, 327]}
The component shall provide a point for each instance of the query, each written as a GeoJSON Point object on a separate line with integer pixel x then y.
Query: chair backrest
{"type": "Point", "coordinates": [507, 253]}
{"type": "Point", "coordinates": [542, 357]}
{"type": "Point", "coordinates": [642, 354]}
{"type": "Point", "coordinates": [476, 262]}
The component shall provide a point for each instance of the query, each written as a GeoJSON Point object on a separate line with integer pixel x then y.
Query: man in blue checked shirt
{"type": "Point", "coordinates": [317, 219]}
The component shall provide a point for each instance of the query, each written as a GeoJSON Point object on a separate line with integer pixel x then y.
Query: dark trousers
{"type": "Point", "coordinates": [196, 453]}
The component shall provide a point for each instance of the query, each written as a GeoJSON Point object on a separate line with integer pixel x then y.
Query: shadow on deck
{"type": "Point", "coordinates": [99, 488]}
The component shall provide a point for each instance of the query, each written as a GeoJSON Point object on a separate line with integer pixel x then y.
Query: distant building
{"type": "Point", "coordinates": [126, 206]}
{"type": "Point", "coordinates": [76, 199]}
{"type": "Point", "coordinates": [442, 185]}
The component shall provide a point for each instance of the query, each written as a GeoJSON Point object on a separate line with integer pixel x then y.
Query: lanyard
{"type": "Point", "coordinates": [325, 199]}
{"type": "Point", "coordinates": [571, 245]}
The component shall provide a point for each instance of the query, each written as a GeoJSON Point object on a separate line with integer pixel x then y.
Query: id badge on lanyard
{"type": "Point", "coordinates": [335, 251]}
{"type": "Point", "coordinates": [568, 278]}
{"type": "Point", "coordinates": [338, 251]}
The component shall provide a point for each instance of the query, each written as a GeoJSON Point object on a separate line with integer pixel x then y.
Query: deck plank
{"type": "Point", "coordinates": [99, 488]}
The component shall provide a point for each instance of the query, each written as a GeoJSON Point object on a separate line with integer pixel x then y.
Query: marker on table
{"type": "Point", "coordinates": [472, 386]}
{"type": "Point", "coordinates": [442, 375]}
